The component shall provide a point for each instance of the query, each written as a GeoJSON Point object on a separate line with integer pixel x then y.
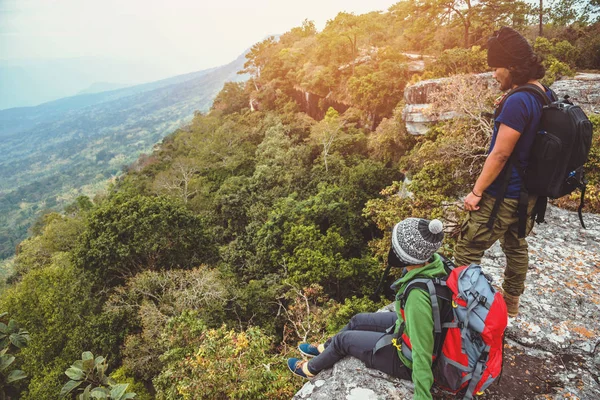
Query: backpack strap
{"type": "Point", "coordinates": [429, 285]}
{"type": "Point", "coordinates": [535, 89]}
{"type": "Point", "coordinates": [449, 266]}
{"type": "Point", "coordinates": [389, 339]}
{"type": "Point", "coordinates": [582, 202]}
{"type": "Point", "coordinates": [531, 88]}
{"type": "Point", "coordinates": [386, 273]}
{"type": "Point", "coordinates": [501, 192]}
{"type": "Point", "coordinates": [392, 262]}
{"type": "Point", "coordinates": [477, 373]}
{"type": "Point", "coordinates": [420, 283]}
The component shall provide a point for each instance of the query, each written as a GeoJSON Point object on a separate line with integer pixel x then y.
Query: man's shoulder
{"type": "Point", "coordinates": [522, 103]}
{"type": "Point", "coordinates": [521, 98]}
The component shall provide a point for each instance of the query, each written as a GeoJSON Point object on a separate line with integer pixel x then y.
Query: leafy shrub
{"type": "Point", "coordinates": [92, 371]}
{"type": "Point", "coordinates": [123, 375]}
{"type": "Point", "coordinates": [12, 340]}
{"type": "Point", "coordinates": [555, 70]}
{"type": "Point", "coordinates": [562, 50]}
{"type": "Point", "coordinates": [559, 58]}
{"type": "Point", "coordinates": [221, 364]}
{"type": "Point", "coordinates": [152, 298]}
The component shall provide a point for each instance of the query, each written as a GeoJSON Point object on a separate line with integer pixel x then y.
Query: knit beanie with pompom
{"type": "Point", "coordinates": [415, 240]}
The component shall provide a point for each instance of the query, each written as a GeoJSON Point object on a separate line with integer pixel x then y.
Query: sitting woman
{"type": "Point", "coordinates": [414, 245]}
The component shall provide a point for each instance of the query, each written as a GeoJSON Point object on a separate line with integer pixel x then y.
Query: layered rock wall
{"type": "Point", "coordinates": [583, 89]}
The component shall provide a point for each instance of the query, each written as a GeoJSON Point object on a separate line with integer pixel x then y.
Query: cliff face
{"type": "Point", "coordinates": [583, 89]}
{"type": "Point", "coordinates": [553, 346]}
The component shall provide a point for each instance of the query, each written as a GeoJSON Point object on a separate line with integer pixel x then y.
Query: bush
{"type": "Point", "coordinates": [222, 364]}
{"type": "Point", "coordinates": [151, 298]}
{"type": "Point", "coordinates": [61, 311]}
{"type": "Point", "coordinates": [559, 58]}
{"type": "Point", "coordinates": [92, 371]}
{"type": "Point", "coordinates": [124, 376]}
{"type": "Point", "coordinates": [555, 70]}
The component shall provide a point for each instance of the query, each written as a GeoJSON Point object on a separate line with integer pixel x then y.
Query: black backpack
{"type": "Point", "coordinates": [559, 151]}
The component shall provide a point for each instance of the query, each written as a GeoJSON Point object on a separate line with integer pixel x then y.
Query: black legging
{"type": "Point", "coordinates": [358, 339]}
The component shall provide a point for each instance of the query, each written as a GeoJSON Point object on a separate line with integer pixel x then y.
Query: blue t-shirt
{"type": "Point", "coordinates": [522, 112]}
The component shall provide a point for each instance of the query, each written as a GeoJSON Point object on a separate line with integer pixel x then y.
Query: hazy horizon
{"type": "Point", "coordinates": [134, 41]}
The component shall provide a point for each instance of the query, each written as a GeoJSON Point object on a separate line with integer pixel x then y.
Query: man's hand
{"type": "Point", "coordinates": [471, 202]}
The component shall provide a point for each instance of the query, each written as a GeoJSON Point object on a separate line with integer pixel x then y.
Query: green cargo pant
{"type": "Point", "coordinates": [475, 238]}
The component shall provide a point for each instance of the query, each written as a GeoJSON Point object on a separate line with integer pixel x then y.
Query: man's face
{"type": "Point", "coordinates": [502, 75]}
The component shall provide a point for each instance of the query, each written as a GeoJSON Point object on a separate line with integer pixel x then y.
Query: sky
{"type": "Point", "coordinates": [173, 36]}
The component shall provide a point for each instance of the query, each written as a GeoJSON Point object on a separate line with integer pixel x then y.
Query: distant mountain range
{"type": "Point", "coordinates": [30, 82]}
{"type": "Point", "coordinates": [98, 87]}
{"type": "Point", "coordinates": [51, 153]}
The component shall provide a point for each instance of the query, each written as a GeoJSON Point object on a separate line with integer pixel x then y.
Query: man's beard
{"type": "Point", "coordinates": [507, 84]}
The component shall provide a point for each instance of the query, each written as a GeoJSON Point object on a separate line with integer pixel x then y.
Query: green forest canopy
{"type": "Point", "coordinates": [257, 226]}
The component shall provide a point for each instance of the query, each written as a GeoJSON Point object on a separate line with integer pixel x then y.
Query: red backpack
{"type": "Point", "coordinates": [469, 318]}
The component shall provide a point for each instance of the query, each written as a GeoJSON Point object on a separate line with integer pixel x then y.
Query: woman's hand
{"type": "Point", "coordinates": [471, 202]}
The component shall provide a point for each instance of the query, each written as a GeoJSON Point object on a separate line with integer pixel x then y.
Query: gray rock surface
{"type": "Point", "coordinates": [584, 90]}
{"type": "Point", "coordinates": [418, 101]}
{"type": "Point", "coordinates": [553, 346]}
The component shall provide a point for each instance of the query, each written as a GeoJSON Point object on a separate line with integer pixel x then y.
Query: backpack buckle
{"type": "Point", "coordinates": [397, 344]}
{"type": "Point", "coordinates": [439, 282]}
{"type": "Point", "coordinates": [482, 299]}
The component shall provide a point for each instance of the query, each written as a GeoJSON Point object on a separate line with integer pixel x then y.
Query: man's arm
{"type": "Point", "coordinates": [505, 143]}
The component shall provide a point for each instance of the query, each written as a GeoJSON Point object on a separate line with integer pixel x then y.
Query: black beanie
{"type": "Point", "coordinates": [508, 49]}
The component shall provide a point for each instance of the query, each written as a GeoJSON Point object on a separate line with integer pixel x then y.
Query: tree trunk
{"type": "Point", "coordinates": [541, 17]}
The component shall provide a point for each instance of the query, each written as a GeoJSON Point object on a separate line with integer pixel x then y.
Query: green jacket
{"type": "Point", "coordinates": [419, 326]}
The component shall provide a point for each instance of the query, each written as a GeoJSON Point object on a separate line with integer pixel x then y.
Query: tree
{"type": "Point", "coordinates": [153, 298]}
{"type": "Point", "coordinates": [232, 98]}
{"type": "Point", "coordinates": [126, 235]}
{"type": "Point", "coordinates": [56, 234]}
{"type": "Point", "coordinates": [568, 12]}
{"type": "Point", "coordinates": [326, 133]}
{"type": "Point", "coordinates": [347, 26]}
{"type": "Point", "coordinates": [370, 88]}
{"type": "Point", "coordinates": [179, 180]}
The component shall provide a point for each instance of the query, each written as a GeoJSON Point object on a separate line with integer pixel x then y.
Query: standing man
{"type": "Point", "coordinates": [515, 127]}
